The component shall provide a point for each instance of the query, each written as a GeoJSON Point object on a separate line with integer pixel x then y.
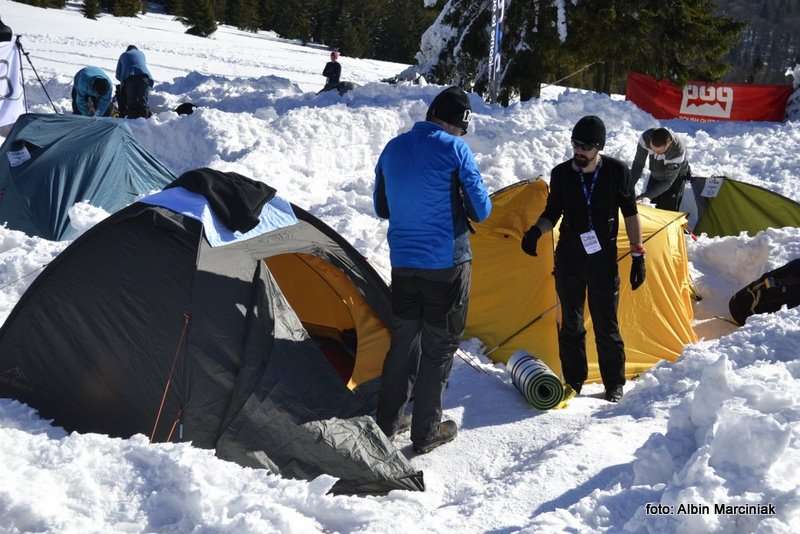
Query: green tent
{"type": "Point", "coordinates": [733, 207]}
{"type": "Point", "coordinates": [68, 159]}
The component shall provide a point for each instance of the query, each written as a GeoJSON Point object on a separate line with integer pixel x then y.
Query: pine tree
{"type": "Point", "coordinates": [289, 18]}
{"type": "Point", "coordinates": [533, 54]}
{"type": "Point", "coordinates": [320, 14]}
{"type": "Point", "coordinates": [232, 9]}
{"type": "Point", "coordinates": [174, 7]}
{"type": "Point", "coordinates": [676, 40]}
{"type": "Point", "coordinates": [220, 7]}
{"type": "Point", "coordinates": [529, 50]}
{"type": "Point", "coordinates": [199, 16]}
{"type": "Point", "coordinates": [248, 15]}
{"type": "Point", "coordinates": [126, 8]}
{"type": "Point", "coordinates": [612, 37]}
{"type": "Point", "coordinates": [694, 41]}
{"type": "Point", "coordinates": [91, 9]}
{"type": "Point", "coordinates": [397, 29]}
{"type": "Point", "coordinates": [263, 14]}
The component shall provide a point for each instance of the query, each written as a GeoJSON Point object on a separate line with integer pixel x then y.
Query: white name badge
{"type": "Point", "coordinates": [590, 242]}
{"type": "Point", "coordinates": [18, 157]}
{"type": "Point", "coordinates": [713, 184]}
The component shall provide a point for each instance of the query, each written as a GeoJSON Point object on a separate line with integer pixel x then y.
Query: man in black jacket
{"type": "Point", "coordinates": [332, 71]}
{"type": "Point", "coordinates": [588, 191]}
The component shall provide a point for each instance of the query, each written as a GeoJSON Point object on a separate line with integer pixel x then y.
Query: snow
{"type": "Point", "coordinates": [561, 22]}
{"type": "Point", "coordinates": [433, 41]}
{"type": "Point", "coordinates": [719, 426]}
{"type": "Point", "coordinates": [795, 74]}
{"type": "Point", "coordinates": [793, 104]}
{"type": "Point", "coordinates": [720, 266]}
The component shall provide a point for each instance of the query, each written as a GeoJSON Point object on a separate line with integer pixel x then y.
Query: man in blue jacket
{"type": "Point", "coordinates": [427, 184]}
{"type": "Point", "coordinates": [133, 96]}
{"type": "Point", "coordinates": [91, 93]}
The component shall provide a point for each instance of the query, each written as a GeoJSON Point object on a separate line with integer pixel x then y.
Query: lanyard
{"type": "Point", "coordinates": [587, 193]}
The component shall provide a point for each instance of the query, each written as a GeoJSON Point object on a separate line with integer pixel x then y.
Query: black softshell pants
{"type": "Point", "coordinates": [133, 97]}
{"type": "Point", "coordinates": [430, 310]}
{"type": "Point", "coordinates": [671, 198]}
{"type": "Point", "coordinates": [576, 274]}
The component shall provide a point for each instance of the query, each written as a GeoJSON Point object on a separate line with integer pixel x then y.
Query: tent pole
{"type": "Point", "coordinates": [187, 317]}
{"type": "Point", "coordinates": [525, 327]}
{"type": "Point", "coordinates": [22, 74]}
{"type": "Point", "coordinates": [27, 56]}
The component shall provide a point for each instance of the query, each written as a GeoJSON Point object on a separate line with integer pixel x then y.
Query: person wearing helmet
{"type": "Point", "coordinates": [332, 72]}
{"type": "Point", "coordinates": [588, 191]}
{"type": "Point", "coordinates": [427, 185]}
{"type": "Point", "coordinates": [91, 93]}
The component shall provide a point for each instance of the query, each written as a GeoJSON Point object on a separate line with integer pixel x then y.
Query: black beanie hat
{"type": "Point", "coordinates": [591, 131]}
{"type": "Point", "coordinates": [451, 106]}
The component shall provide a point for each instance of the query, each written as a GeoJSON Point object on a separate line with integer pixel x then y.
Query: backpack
{"type": "Point", "coordinates": [133, 97]}
{"type": "Point", "coordinates": [768, 294]}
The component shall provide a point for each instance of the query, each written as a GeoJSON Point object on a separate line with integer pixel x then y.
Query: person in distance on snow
{"type": "Point", "coordinates": [133, 93]}
{"type": "Point", "coordinates": [669, 168]}
{"type": "Point", "coordinates": [588, 191]}
{"type": "Point", "coordinates": [427, 184]}
{"type": "Point", "coordinates": [332, 72]}
{"type": "Point", "coordinates": [91, 93]}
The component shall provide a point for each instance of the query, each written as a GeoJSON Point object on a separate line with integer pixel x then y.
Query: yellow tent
{"type": "Point", "coordinates": [330, 305]}
{"type": "Point", "coordinates": [513, 304]}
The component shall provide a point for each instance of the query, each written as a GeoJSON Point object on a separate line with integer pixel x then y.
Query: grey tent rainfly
{"type": "Point", "coordinates": [49, 162]}
{"type": "Point", "coordinates": [259, 333]}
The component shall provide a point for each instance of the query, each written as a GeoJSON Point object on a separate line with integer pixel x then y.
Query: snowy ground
{"type": "Point", "coordinates": [720, 426]}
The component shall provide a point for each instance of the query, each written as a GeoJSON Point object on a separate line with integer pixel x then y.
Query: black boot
{"type": "Point", "coordinates": [614, 394]}
{"type": "Point", "coordinates": [446, 431]}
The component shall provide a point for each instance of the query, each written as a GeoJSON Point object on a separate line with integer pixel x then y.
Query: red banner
{"type": "Point", "coordinates": [708, 101]}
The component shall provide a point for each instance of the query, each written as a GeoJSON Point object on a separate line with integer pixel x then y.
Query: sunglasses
{"type": "Point", "coordinates": [585, 147]}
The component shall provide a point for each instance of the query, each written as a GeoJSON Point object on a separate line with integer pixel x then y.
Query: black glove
{"type": "Point", "coordinates": [530, 239]}
{"type": "Point", "coordinates": [637, 272]}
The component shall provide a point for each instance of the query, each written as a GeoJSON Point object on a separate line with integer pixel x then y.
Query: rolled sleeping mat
{"type": "Point", "coordinates": [535, 380]}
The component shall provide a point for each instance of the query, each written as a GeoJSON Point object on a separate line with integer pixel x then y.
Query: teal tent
{"type": "Point", "coordinates": [50, 162]}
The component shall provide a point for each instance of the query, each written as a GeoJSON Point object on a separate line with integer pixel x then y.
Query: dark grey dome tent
{"type": "Point", "coordinates": [50, 162]}
{"type": "Point", "coordinates": [265, 344]}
